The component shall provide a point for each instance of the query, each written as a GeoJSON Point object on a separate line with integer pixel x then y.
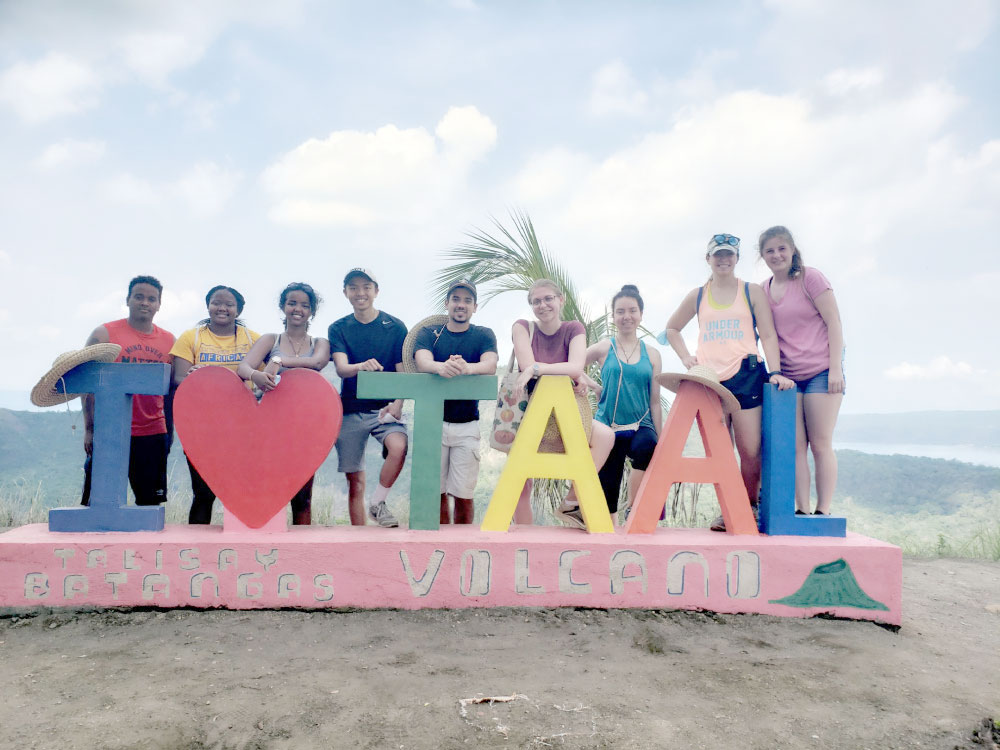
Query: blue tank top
{"type": "Point", "coordinates": [627, 384]}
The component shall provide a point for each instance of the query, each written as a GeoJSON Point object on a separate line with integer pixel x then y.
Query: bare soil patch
{"type": "Point", "coordinates": [569, 678]}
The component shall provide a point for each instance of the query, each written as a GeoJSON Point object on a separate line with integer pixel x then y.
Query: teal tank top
{"type": "Point", "coordinates": [629, 385]}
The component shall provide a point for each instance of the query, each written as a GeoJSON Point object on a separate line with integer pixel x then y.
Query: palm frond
{"type": "Point", "coordinates": [509, 259]}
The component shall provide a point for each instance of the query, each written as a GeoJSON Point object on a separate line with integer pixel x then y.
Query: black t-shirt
{"type": "Point", "coordinates": [382, 340]}
{"type": "Point", "coordinates": [471, 344]}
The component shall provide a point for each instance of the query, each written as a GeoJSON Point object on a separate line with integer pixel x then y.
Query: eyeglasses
{"type": "Point", "coordinates": [548, 299]}
{"type": "Point", "coordinates": [726, 239]}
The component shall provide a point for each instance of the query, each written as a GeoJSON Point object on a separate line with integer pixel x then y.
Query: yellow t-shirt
{"type": "Point", "coordinates": [200, 346]}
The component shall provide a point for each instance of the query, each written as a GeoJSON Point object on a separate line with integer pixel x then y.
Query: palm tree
{"type": "Point", "coordinates": [511, 260]}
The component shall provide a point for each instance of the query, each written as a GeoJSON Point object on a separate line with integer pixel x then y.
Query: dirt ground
{"type": "Point", "coordinates": [574, 678]}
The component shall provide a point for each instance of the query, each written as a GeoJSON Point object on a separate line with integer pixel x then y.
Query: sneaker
{"type": "Point", "coordinates": [571, 516]}
{"type": "Point", "coordinates": [381, 515]}
{"type": "Point", "coordinates": [800, 512]}
{"type": "Point", "coordinates": [719, 524]}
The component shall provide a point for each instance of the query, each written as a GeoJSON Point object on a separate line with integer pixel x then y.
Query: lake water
{"type": "Point", "coordinates": [972, 454]}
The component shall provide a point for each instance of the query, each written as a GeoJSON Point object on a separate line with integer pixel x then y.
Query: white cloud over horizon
{"type": "Point", "coordinates": [253, 143]}
{"type": "Point", "coordinates": [939, 368]}
{"type": "Point", "coordinates": [616, 92]}
{"type": "Point", "coordinates": [71, 152]}
{"type": "Point", "coordinates": [391, 174]}
{"type": "Point", "coordinates": [51, 87]}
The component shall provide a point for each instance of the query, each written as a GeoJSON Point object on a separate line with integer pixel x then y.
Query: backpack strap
{"type": "Point", "coordinates": [753, 315]}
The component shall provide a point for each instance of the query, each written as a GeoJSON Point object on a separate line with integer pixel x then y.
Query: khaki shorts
{"type": "Point", "coordinates": [460, 458]}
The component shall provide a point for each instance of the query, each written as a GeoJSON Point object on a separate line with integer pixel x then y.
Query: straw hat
{"type": "Point", "coordinates": [706, 376]}
{"type": "Point", "coordinates": [50, 392]}
{"type": "Point", "coordinates": [410, 342]}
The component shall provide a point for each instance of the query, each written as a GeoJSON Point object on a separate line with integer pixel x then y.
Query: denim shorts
{"type": "Point", "coordinates": [819, 383]}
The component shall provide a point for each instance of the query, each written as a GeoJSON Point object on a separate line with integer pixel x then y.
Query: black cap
{"type": "Point", "coordinates": [463, 284]}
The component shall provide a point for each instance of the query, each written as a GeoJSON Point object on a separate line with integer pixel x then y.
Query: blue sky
{"type": "Point", "coordinates": [255, 143]}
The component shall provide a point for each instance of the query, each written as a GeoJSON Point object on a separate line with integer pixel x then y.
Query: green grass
{"type": "Point", "coordinates": [972, 531]}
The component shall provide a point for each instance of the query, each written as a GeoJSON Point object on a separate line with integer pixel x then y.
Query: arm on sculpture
{"type": "Point", "coordinates": [768, 337]}
{"type": "Point", "coordinates": [681, 317]}
{"type": "Point", "coordinates": [655, 405]}
{"type": "Point", "coordinates": [319, 359]}
{"type": "Point", "coordinates": [826, 304]}
{"type": "Point", "coordinates": [255, 358]}
{"type": "Point", "coordinates": [98, 336]}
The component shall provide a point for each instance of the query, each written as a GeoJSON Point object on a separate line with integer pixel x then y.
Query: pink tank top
{"type": "Point", "coordinates": [725, 332]}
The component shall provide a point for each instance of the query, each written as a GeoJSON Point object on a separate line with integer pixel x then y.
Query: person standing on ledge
{"type": "Point", "coordinates": [811, 340]}
{"type": "Point", "coordinates": [458, 348]}
{"type": "Point", "coordinates": [368, 340]}
{"type": "Point", "coordinates": [141, 341]}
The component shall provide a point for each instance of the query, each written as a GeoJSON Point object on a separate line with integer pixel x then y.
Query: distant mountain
{"type": "Point", "coordinates": [41, 450]}
{"type": "Point", "coordinates": [980, 428]}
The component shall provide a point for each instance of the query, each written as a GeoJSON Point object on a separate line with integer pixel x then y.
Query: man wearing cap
{"type": "Point", "coordinates": [458, 348]}
{"type": "Point", "coordinates": [141, 341]}
{"type": "Point", "coordinates": [368, 340]}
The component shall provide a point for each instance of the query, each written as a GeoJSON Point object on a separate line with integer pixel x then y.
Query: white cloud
{"type": "Point", "coordinates": [751, 159]}
{"type": "Point", "coordinates": [939, 368]}
{"type": "Point", "coordinates": [52, 87]}
{"type": "Point", "coordinates": [616, 92]}
{"type": "Point", "coordinates": [71, 152]}
{"type": "Point", "coordinates": [107, 306]}
{"type": "Point", "coordinates": [466, 135]}
{"type": "Point", "coordinates": [206, 188]}
{"type": "Point", "coordinates": [550, 174]}
{"type": "Point", "coordinates": [126, 188]}
{"type": "Point", "coordinates": [358, 178]}
{"type": "Point", "coordinates": [154, 54]}
{"type": "Point", "coordinates": [4, 257]}
{"type": "Point", "coordinates": [845, 81]}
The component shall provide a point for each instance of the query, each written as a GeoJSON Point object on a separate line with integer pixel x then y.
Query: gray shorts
{"type": "Point", "coordinates": [353, 438]}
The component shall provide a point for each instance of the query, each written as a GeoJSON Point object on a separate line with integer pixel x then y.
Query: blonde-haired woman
{"type": "Point", "coordinates": [555, 347]}
{"type": "Point", "coordinates": [811, 340]}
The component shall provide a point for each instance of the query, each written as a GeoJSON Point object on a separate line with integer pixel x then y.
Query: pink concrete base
{"type": "Point", "coordinates": [458, 566]}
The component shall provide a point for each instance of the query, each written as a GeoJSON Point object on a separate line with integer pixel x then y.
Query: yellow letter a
{"type": "Point", "coordinates": [553, 395]}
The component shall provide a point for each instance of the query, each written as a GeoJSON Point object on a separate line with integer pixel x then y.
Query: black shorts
{"type": "Point", "coordinates": [748, 382]}
{"type": "Point", "coordinates": [147, 470]}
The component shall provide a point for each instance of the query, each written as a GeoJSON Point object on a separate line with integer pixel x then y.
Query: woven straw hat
{"type": "Point", "coordinates": [410, 342]}
{"type": "Point", "coordinates": [49, 392]}
{"type": "Point", "coordinates": [706, 376]}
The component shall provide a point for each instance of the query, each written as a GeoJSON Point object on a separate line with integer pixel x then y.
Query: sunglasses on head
{"type": "Point", "coordinates": [726, 239]}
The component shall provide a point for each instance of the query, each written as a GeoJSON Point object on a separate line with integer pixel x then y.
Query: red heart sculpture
{"type": "Point", "coordinates": [256, 456]}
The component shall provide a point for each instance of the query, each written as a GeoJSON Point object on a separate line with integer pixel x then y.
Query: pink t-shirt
{"type": "Point", "coordinates": [802, 334]}
{"type": "Point", "coordinates": [554, 349]}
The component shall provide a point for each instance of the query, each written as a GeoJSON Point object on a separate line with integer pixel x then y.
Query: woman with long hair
{"type": "Point", "coordinates": [294, 347]}
{"type": "Point", "coordinates": [555, 347]}
{"type": "Point", "coordinates": [731, 315]}
{"type": "Point", "coordinates": [811, 340]}
{"type": "Point", "coordinates": [220, 340]}
{"type": "Point", "coordinates": [630, 396]}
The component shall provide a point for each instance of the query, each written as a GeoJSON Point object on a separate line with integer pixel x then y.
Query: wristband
{"type": "Point", "coordinates": [772, 374]}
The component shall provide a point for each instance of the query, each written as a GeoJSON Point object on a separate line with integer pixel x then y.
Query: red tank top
{"type": "Point", "coordinates": [147, 411]}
